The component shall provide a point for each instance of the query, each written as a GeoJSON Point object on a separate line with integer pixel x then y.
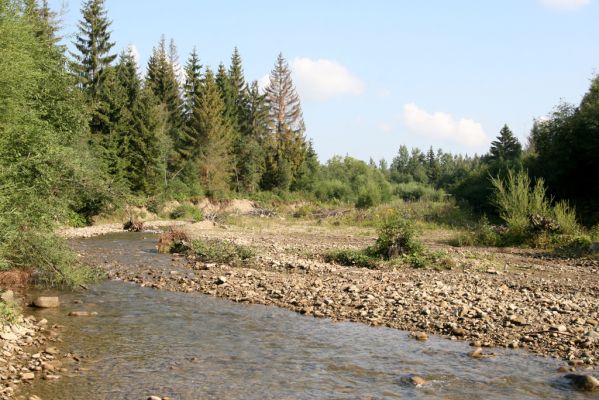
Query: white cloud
{"type": "Point", "coordinates": [568, 5]}
{"type": "Point", "coordinates": [441, 125]}
{"type": "Point", "coordinates": [324, 79]}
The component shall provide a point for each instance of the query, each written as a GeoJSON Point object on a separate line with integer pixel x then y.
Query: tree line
{"type": "Point", "coordinates": [210, 134]}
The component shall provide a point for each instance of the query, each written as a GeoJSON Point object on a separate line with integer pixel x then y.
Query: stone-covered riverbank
{"type": "Point", "coordinates": [27, 352]}
{"type": "Point", "coordinates": [491, 298]}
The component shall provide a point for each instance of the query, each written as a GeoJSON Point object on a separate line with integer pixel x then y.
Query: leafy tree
{"type": "Point", "coordinates": [564, 152]}
{"type": "Point", "coordinates": [93, 46]}
{"type": "Point", "coordinates": [506, 147]}
{"type": "Point", "coordinates": [44, 164]}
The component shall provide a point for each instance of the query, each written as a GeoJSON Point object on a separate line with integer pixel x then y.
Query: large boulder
{"type": "Point", "coordinates": [46, 302]}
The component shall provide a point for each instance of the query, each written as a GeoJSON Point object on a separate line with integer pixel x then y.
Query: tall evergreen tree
{"type": "Point", "coordinates": [43, 20]}
{"type": "Point", "coordinates": [215, 162]}
{"type": "Point", "coordinates": [506, 147]}
{"type": "Point", "coordinates": [193, 83]}
{"type": "Point", "coordinates": [94, 47]}
{"type": "Point", "coordinates": [190, 140]}
{"type": "Point", "coordinates": [250, 152]}
{"type": "Point", "coordinates": [162, 80]}
{"type": "Point", "coordinates": [287, 141]}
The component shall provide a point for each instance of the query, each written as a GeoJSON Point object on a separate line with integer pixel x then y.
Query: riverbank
{"type": "Point", "coordinates": [27, 353]}
{"type": "Point", "coordinates": [492, 297]}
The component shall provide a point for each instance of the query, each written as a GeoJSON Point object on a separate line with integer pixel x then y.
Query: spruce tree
{"type": "Point", "coordinates": [94, 47]}
{"type": "Point", "coordinates": [287, 141]}
{"type": "Point", "coordinates": [190, 140]}
{"type": "Point", "coordinates": [43, 20]}
{"type": "Point", "coordinates": [215, 162]}
{"type": "Point", "coordinates": [250, 152]}
{"type": "Point", "coordinates": [161, 79]}
{"type": "Point", "coordinates": [193, 84]}
{"type": "Point", "coordinates": [506, 147]}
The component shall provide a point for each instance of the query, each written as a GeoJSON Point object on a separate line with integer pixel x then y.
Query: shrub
{"type": "Point", "coordinates": [173, 241]}
{"type": "Point", "coordinates": [189, 212]}
{"type": "Point", "coordinates": [351, 258]}
{"type": "Point", "coordinates": [573, 246]}
{"type": "Point", "coordinates": [222, 251]}
{"type": "Point", "coordinates": [527, 212]}
{"type": "Point", "coordinates": [397, 236]}
{"type": "Point", "coordinates": [413, 191]}
{"type": "Point", "coordinates": [8, 313]}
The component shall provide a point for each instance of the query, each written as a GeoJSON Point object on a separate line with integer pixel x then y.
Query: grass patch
{"type": "Point", "coordinates": [222, 251]}
{"type": "Point", "coordinates": [187, 212]}
{"type": "Point", "coordinates": [352, 258]}
{"type": "Point", "coordinates": [8, 313]}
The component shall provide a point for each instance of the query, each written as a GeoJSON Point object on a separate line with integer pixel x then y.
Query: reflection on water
{"type": "Point", "coordinates": [189, 346]}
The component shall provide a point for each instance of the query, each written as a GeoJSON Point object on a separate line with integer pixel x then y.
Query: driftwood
{"type": "Point", "coordinates": [322, 214]}
{"type": "Point", "coordinates": [133, 226]}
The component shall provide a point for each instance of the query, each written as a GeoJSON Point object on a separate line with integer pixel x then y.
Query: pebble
{"type": "Point", "coordinates": [421, 336]}
{"type": "Point", "coordinates": [417, 380]}
{"type": "Point", "coordinates": [27, 376]}
{"type": "Point", "coordinates": [79, 314]}
{"type": "Point", "coordinates": [478, 353]}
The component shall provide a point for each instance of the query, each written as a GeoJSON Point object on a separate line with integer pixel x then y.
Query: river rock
{"type": "Point", "coordinates": [46, 302]}
{"type": "Point", "coordinates": [52, 350]}
{"type": "Point", "coordinates": [477, 353]}
{"type": "Point", "coordinates": [8, 296]}
{"type": "Point", "coordinates": [10, 336]}
{"type": "Point", "coordinates": [27, 376]}
{"type": "Point", "coordinates": [221, 280]}
{"type": "Point", "coordinates": [79, 314]}
{"type": "Point", "coordinates": [417, 380]}
{"type": "Point", "coordinates": [422, 336]}
{"type": "Point", "coordinates": [154, 398]}
{"type": "Point", "coordinates": [587, 383]}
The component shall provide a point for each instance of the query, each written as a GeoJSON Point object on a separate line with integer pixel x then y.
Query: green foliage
{"type": "Point", "coordinates": [573, 245]}
{"type": "Point", "coordinates": [414, 191]}
{"type": "Point", "coordinates": [397, 236]}
{"type": "Point", "coordinates": [8, 313]}
{"type": "Point", "coordinates": [44, 160]}
{"type": "Point", "coordinates": [93, 46]}
{"type": "Point", "coordinates": [222, 251]}
{"type": "Point", "coordinates": [351, 258]}
{"type": "Point", "coordinates": [187, 212]}
{"type": "Point", "coordinates": [506, 147]}
{"type": "Point", "coordinates": [527, 211]}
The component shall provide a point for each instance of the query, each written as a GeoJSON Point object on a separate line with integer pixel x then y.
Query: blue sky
{"type": "Point", "coordinates": [373, 75]}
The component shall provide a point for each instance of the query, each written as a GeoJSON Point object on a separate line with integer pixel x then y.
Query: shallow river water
{"type": "Point", "coordinates": [190, 346]}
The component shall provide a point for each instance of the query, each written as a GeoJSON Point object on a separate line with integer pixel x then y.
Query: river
{"type": "Point", "coordinates": [190, 346]}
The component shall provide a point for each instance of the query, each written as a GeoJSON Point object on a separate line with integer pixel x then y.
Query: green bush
{"type": "Point", "coordinates": [187, 212]}
{"type": "Point", "coordinates": [396, 237]}
{"type": "Point", "coordinates": [414, 191]}
{"type": "Point", "coordinates": [527, 212]}
{"type": "Point", "coordinates": [222, 251]}
{"type": "Point", "coordinates": [573, 245]}
{"type": "Point", "coordinates": [351, 258]}
{"type": "Point", "coordinates": [8, 313]}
